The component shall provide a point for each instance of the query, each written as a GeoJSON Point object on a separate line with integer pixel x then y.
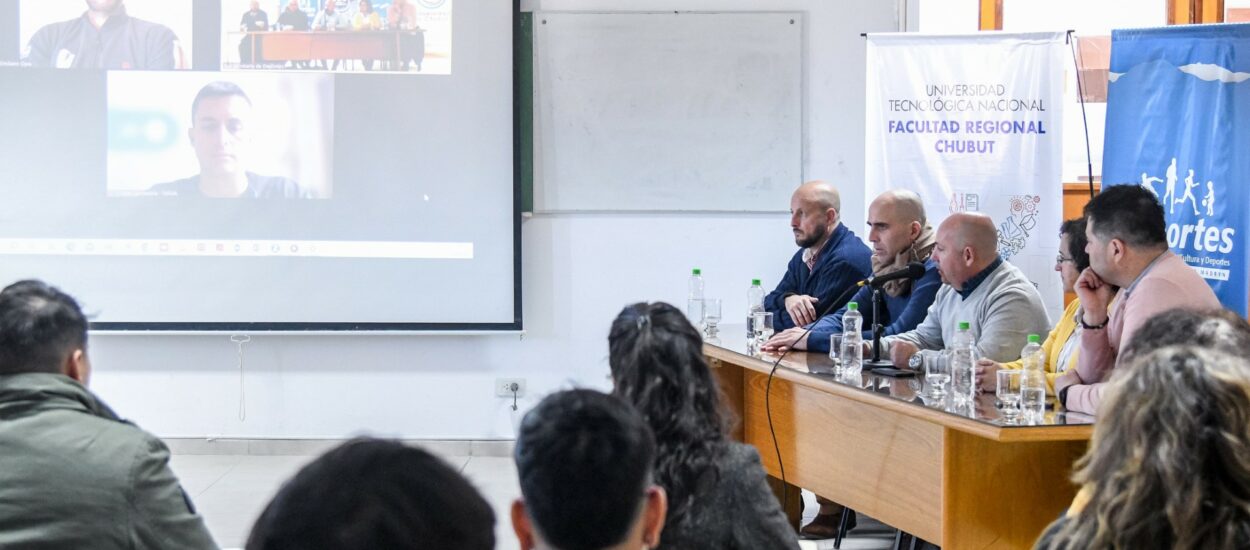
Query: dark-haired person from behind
{"type": "Point", "coordinates": [718, 495]}
{"type": "Point", "coordinates": [585, 462]}
{"type": "Point", "coordinates": [1169, 463]}
{"type": "Point", "coordinates": [221, 133]}
{"type": "Point", "coordinates": [373, 493]}
{"type": "Point", "coordinates": [72, 473]}
{"type": "Point", "coordinates": [1128, 249]}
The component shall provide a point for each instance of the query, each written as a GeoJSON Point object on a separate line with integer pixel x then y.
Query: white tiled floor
{"type": "Point", "coordinates": [231, 490]}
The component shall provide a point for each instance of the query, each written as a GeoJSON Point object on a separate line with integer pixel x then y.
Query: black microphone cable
{"type": "Point", "coordinates": [768, 386]}
{"type": "Point", "coordinates": [1080, 94]}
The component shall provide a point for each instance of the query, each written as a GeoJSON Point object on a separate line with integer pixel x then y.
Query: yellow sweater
{"type": "Point", "coordinates": [1053, 345]}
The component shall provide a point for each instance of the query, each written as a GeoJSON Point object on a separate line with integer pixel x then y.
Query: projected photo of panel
{"type": "Point", "coordinates": [344, 36]}
{"type": "Point", "coordinates": [105, 34]}
{"type": "Point", "coordinates": [213, 135]}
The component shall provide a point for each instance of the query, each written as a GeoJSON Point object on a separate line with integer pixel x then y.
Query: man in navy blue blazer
{"type": "Point", "coordinates": [830, 260]}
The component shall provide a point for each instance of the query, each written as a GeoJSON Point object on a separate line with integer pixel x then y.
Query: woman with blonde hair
{"type": "Point", "coordinates": [1169, 463]}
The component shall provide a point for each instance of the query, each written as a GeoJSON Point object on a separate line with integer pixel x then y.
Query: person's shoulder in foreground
{"type": "Point", "coordinates": [574, 448]}
{"type": "Point", "coordinates": [741, 511]}
{"type": "Point", "coordinates": [73, 474]}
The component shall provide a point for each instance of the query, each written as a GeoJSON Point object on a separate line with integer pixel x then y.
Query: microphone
{"type": "Point", "coordinates": [914, 270]}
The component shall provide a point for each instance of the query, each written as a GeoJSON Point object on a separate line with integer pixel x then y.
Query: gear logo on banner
{"type": "Point", "coordinates": [1014, 232]}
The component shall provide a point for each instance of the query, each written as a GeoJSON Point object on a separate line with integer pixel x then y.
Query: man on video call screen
{"type": "Point", "coordinates": [221, 136]}
{"type": "Point", "coordinates": [104, 37]}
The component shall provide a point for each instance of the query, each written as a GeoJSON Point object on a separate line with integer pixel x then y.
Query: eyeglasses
{"type": "Point", "coordinates": [1061, 259]}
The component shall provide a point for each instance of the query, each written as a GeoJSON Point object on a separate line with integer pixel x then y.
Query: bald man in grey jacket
{"type": "Point", "coordinates": [1001, 304]}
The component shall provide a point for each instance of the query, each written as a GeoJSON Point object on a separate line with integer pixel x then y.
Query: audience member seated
{"type": "Point", "coordinates": [1167, 466]}
{"type": "Point", "coordinates": [72, 473]}
{"type": "Point", "coordinates": [900, 234]}
{"type": "Point", "coordinates": [293, 18]}
{"type": "Point", "coordinates": [718, 496]}
{"type": "Point", "coordinates": [372, 493]}
{"type": "Point", "coordinates": [585, 463]}
{"type": "Point", "coordinates": [1128, 249]}
{"type": "Point", "coordinates": [331, 19]}
{"type": "Point", "coordinates": [253, 20]}
{"type": "Point", "coordinates": [998, 301]}
{"type": "Point", "coordinates": [366, 19]}
{"type": "Point", "coordinates": [1062, 345]}
{"type": "Point", "coordinates": [830, 260]}
{"type": "Point", "coordinates": [402, 16]}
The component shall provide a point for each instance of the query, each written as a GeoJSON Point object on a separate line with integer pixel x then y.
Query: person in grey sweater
{"type": "Point", "coordinates": [73, 474]}
{"type": "Point", "coordinates": [1001, 304]}
{"type": "Point", "coordinates": [718, 496]}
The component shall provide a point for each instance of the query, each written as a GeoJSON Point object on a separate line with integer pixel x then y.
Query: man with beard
{"type": "Point", "coordinates": [900, 234]}
{"type": "Point", "coordinates": [831, 259]}
{"type": "Point", "coordinates": [104, 37]}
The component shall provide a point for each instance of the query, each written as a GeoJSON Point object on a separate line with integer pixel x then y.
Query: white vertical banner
{"type": "Point", "coordinates": [974, 123]}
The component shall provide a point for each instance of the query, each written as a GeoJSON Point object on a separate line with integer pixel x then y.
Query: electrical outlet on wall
{"type": "Point", "coordinates": [506, 387]}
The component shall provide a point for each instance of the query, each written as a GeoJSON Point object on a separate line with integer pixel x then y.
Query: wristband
{"type": "Point", "coordinates": [1095, 327]}
{"type": "Point", "coordinates": [1063, 396]}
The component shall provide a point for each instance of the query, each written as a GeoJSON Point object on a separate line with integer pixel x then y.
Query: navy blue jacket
{"type": "Point", "coordinates": [899, 314]}
{"type": "Point", "coordinates": [844, 261]}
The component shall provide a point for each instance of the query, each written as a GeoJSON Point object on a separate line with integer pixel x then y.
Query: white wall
{"type": "Point", "coordinates": [578, 270]}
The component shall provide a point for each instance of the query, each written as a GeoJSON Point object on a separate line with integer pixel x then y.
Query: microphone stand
{"type": "Point", "coordinates": [877, 330]}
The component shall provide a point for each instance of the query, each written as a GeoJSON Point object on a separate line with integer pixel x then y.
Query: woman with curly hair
{"type": "Point", "coordinates": [1169, 463]}
{"type": "Point", "coordinates": [718, 495]}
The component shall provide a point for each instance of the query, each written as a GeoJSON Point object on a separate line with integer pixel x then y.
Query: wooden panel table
{"type": "Point", "coordinates": [954, 476]}
{"type": "Point", "coordinates": [275, 46]}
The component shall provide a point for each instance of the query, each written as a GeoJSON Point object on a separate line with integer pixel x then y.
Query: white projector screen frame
{"type": "Point", "coordinates": [483, 42]}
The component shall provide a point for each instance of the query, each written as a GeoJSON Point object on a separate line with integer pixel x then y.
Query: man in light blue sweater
{"type": "Point", "coordinates": [995, 297]}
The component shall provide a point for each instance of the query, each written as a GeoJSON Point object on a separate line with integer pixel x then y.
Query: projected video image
{"type": "Point", "coordinates": [105, 34]}
{"type": "Point", "coordinates": [353, 36]}
{"type": "Point", "coordinates": [209, 135]}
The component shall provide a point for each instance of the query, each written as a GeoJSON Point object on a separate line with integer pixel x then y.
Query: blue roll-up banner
{"type": "Point", "coordinates": [1178, 124]}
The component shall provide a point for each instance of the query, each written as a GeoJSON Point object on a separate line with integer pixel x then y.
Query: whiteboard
{"type": "Point", "coordinates": [667, 111]}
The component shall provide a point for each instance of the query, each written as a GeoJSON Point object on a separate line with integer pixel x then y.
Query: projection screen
{"type": "Point", "coordinates": [274, 165]}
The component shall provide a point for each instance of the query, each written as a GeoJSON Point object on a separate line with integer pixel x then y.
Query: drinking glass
{"type": "Point", "coordinates": [763, 324]}
{"type": "Point", "coordinates": [937, 372]}
{"type": "Point", "coordinates": [835, 352]}
{"type": "Point", "coordinates": [1033, 401]}
{"type": "Point", "coordinates": [1009, 393]}
{"type": "Point", "coordinates": [711, 316]}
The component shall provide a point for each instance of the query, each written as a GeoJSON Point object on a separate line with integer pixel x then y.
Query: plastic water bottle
{"type": "Point", "coordinates": [755, 304]}
{"type": "Point", "coordinates": [1033, 380]}
{"type": "Point", "coordinates": [694, 297]}
{"type": "Point", "coordinates": [852, 340]}
{"type": "Point", "coordinates": [1031, 358]}
{"type": "Point", "coordinates": [963, 363]}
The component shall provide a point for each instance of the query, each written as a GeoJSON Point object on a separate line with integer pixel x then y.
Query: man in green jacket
{"type": "Point", "coordinates": [73, 474]}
